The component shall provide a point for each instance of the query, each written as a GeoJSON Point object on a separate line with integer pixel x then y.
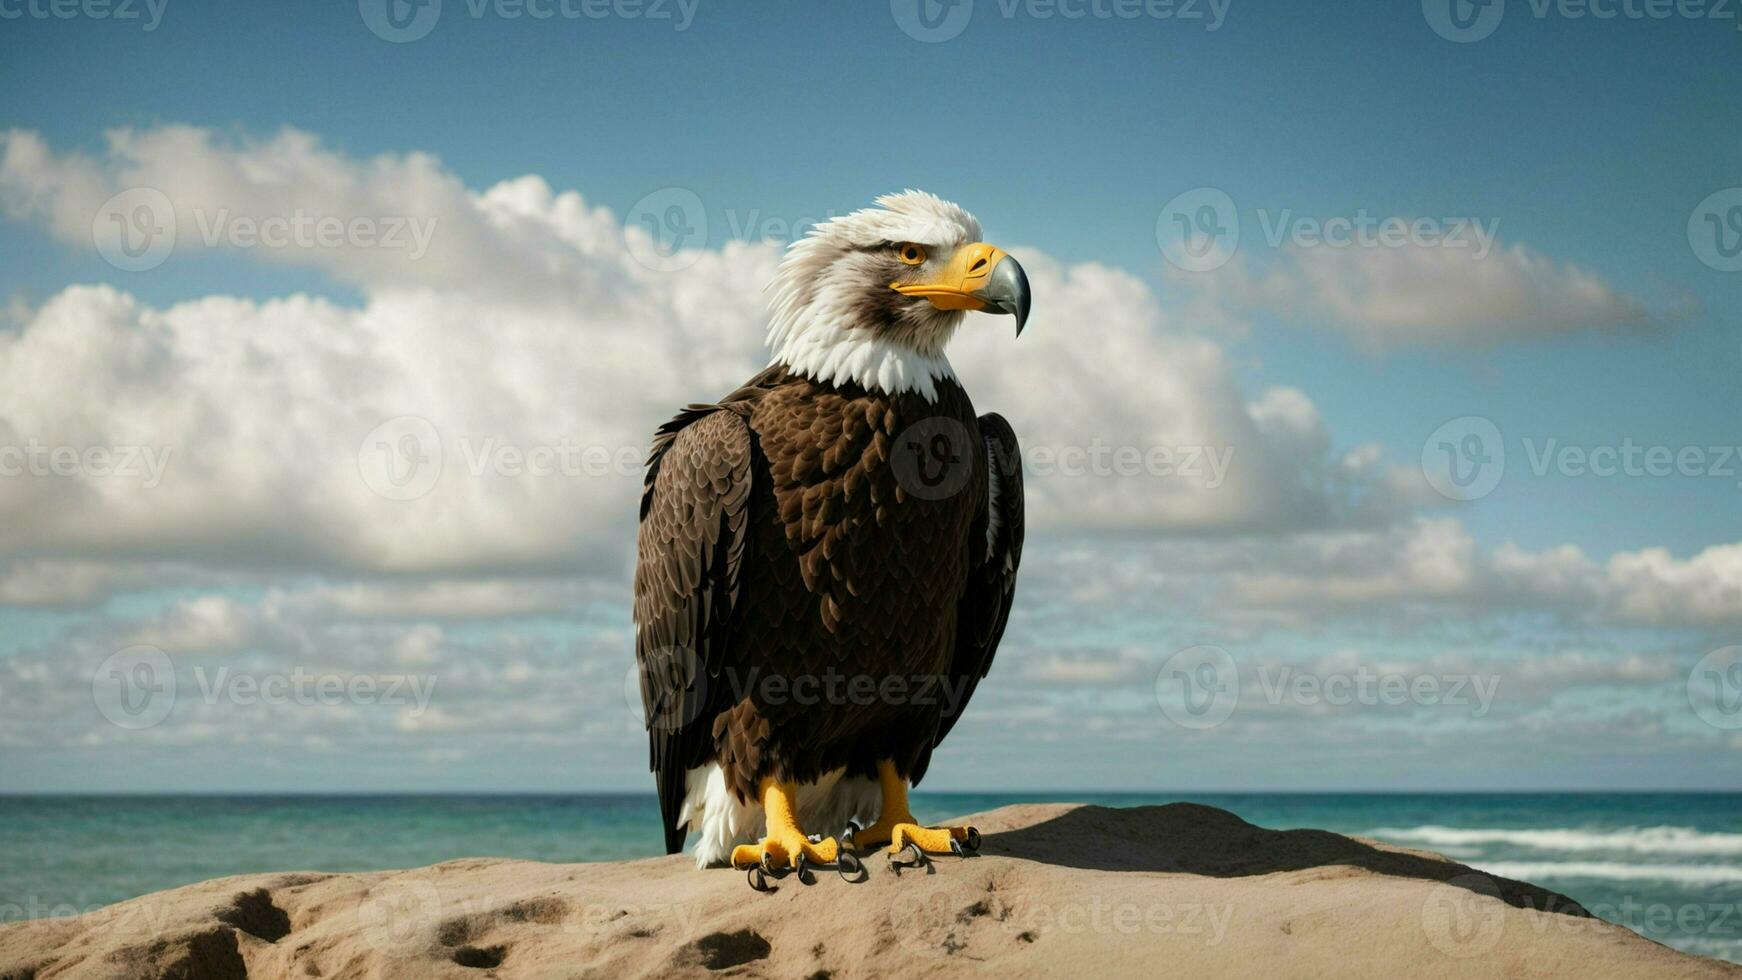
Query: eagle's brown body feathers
{"type": "Point", "coordinates": [780, 541]}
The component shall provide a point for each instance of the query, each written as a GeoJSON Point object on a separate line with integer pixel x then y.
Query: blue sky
{"type": "Point", "coordinates": [1590, 143]}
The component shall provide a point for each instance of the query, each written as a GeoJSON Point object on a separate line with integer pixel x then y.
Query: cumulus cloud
{"type": "Point", "coordinates": [483, 411]}
{"type": "Point", "coordinates": [1410, 574]}
{"type": "Point", "coordinates": [1438, 563]}
{"type": "Point", "coordinates": [1425, 295]}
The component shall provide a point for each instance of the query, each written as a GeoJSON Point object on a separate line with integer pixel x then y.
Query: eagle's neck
{"type": "Point", "coordinates": [836, 356]}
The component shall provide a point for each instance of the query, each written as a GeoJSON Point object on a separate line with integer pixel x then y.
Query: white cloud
{"type": "Point", "coordinates": [1416, 295]}
{"type": "Point", "coordinates": [1438, 562]}
{"type": "Point", "coordinates": [443, 598]}
{"type": "Point", "coordinates": [60, 583]}
{"type": "Point", "coordinates": [205, 624]}
{"type": "Point", "coordinates": [529, 330]}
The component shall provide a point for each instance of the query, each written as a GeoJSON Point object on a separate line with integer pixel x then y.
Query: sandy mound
{"type": "Point", "coordinates": [1177, 890]}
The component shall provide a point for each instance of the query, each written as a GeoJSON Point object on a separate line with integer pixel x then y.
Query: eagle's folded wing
{"type": "Point", "coordinates": [995, 552]}
{"type": "Point", "coordinates": [695, 517]}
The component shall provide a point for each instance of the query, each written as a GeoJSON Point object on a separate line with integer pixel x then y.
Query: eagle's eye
{"type": "Point", "coordinates": [909, 253]}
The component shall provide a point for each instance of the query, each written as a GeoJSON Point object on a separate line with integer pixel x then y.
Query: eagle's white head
{"type": "Point", "coordinates": [872, 297]}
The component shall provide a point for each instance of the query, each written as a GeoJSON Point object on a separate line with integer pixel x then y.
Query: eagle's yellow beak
{"type": "Point", "coordinates": [978, 277]}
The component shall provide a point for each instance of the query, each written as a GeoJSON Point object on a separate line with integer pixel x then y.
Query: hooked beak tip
{"type": "Point", "coordinates": [1006, 291]}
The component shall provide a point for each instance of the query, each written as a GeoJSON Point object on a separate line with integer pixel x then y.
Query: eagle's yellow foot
{"type": "Point", "coordinates": [933, 840]}
{"type": "Point", "coordinates": [786, 847]}
{"type": "Point", "coordinates": [782, 848]}
{"type": "Point", "coordinates": [908, 841]}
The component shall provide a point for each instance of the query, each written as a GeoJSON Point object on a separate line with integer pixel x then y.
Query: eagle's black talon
{"type": "Point", "coordinates": [758, 880]}
{"type": "Point", "coordinates": [957, 849]}
{"type": "Point", "coordinates": [973, 839]}
{"type": "Point", "coordinates": [800, 867]}
{"type": "Point", "coordinates": [767, 864]}
{"type": "Point", "coordinates": [850, 867]}
{"type": "Point", "coordinates": [896, 863]}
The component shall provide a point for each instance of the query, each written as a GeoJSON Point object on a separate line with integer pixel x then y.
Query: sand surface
{"type": "Point", "coordinates": [1058, 890]}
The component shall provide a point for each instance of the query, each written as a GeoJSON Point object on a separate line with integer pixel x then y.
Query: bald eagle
{"type": "Point", "coordinates": [827, 555]}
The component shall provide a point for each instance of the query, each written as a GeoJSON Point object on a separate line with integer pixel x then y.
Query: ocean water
{"type": "Point", "coordinates": [1668, 866]}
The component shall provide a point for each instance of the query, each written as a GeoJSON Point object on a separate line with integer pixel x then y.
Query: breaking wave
{"type": "Point", "coordinates": [1640, 840]}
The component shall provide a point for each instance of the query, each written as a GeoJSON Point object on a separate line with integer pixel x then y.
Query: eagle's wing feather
{"type": "Point", "coordinates": [695, 520]}
{"type": "Point", "coordinates": [995, 553]}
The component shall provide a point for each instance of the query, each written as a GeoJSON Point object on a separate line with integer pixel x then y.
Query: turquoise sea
{"type": "Point", "coordinates": [1666, 865]}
